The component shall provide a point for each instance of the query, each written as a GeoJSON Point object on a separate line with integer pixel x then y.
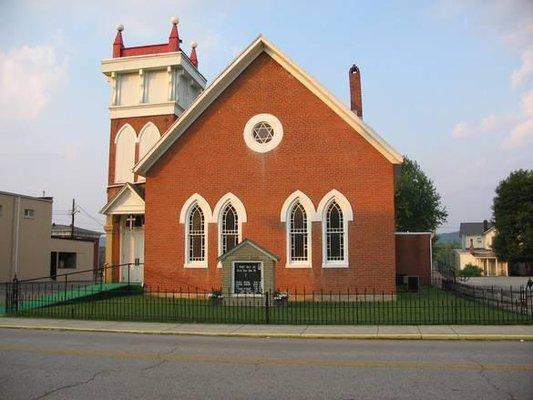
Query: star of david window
{"type": "Point", "coordinates": [263, 132]}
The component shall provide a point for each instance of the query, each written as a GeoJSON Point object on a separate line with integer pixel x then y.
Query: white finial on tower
{"type": "Point", "coordinates": [174, 20]}
{"type": "Point", "coordinates": [120, 27]}
{"type": "Point", "coordinates": [194, 45]}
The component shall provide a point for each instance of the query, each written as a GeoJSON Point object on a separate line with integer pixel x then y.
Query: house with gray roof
{"type": "Point", "coordinates": [476, 248]}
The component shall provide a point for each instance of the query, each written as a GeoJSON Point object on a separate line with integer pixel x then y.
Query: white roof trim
{"type": "Point", "coordinates": [227, 76]}
{"type": "Point", "coordinates": [304, 200]}
{"type": "Point", "coordinates": [341, 200]}
{"type": "Point", "coordinates": [202, 203]}
{"type": "Point", "coordinates": [229, 198]}
{"type": "Point", "coordinates": [108, 208]}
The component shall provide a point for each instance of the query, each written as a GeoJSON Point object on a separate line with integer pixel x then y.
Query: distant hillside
{"type": "Point", "coordinates": [448, 237]}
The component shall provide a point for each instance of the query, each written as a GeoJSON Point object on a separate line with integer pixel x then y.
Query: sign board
{"type": "Point", "coordinates": [247, 277]}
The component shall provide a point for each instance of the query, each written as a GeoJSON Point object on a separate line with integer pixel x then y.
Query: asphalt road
{"type": "Point", "coordinates": [77, 365]}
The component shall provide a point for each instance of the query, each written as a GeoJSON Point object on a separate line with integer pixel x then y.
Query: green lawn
{"type": "Point", "coordinates": [430, 306]}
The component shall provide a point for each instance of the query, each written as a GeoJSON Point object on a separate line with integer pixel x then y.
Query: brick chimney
{"type": "Point", "coordinates": [356, 100]}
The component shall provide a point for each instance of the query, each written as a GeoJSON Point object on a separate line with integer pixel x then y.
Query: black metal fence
{"type": "Point", "coordinates": [453, 304]}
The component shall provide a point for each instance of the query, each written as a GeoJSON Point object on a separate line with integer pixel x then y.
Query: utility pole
{"type": "Point", "coordinates": [72, 218]}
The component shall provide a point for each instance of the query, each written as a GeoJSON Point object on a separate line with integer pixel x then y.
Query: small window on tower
{"type": "Point", "coordinates": [29, 213]}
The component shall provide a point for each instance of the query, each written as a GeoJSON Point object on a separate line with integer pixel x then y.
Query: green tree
{"type": "Point", "coordinates": [444, 254]}
{"type": "Point", "coordinates": [513, 217]}
{"type": "Point", "coordinates": [418, 204]}
{"type": "Point", "coordinates": [470, 270]}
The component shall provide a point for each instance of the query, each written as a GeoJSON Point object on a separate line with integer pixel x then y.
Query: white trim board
{"type": "Point", "coordinates": [257, 47]}
{"type": "Point", "coordinates": [126, 201]}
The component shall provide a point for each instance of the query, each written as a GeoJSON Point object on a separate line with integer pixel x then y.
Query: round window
{"type": "Point", "coordinates": [263, 132]}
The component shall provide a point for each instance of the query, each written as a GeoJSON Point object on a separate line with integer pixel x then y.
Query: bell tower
{"type": "Point", "coordinates": [150, 86]}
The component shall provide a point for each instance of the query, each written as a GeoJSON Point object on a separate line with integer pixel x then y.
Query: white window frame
{"type": "Point", "coordinates": [248, 133]}
{"type": "Point", "coordinates": [347, 213]}
{"type": "Point", "coordinates": [188, 237]}
{"type": "Point", "coordinates": [29, 213]}
{"type": "Point", "coordinates": [185, 213]}
{"type": "Point", "coordinates": [221, 227]}
{"type": "Point", "coordinates": [228, 198]}
{"type": "Point", "coordinates": [298, 263]}
{"type": "Point", "coordinates": [285, 216]}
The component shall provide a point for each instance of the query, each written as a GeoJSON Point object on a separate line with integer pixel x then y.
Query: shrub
{"type": "Point", "coordinates": [471, 270]}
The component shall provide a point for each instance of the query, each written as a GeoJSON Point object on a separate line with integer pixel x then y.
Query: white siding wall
{"type": "Point", "coordinates": [477, 240]}
{"type": "Point", "coordinates": [487, 239]}
{"type": "Point", "coordinates": [156, 86]}
{"type": "Point", "coordinates": [129, 89]}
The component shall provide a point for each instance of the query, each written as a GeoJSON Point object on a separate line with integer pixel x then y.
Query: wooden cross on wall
{"type": "Point", "coordinates": [130, 221]}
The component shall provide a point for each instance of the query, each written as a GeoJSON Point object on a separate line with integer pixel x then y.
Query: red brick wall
{"type": "Point", "coordinates": [161, 121]}
{"type": "Point", "coordinates": [413, 256]}
{"type": "Point", "coordinates": [319, 152]}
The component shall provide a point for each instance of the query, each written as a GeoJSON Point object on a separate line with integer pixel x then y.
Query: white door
{"type": "Point", "coordinates": [132, 254]}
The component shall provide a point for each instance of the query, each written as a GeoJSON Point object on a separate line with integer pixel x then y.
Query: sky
{"type": "Point", "coordinates": [447, 83]}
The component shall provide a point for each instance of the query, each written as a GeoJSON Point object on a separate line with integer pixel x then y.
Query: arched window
{"type": "Point", "coordinates": [298, 213]}
{"type": "Point", "coordinates": [195, 216]}
{"type": "Point", "coordinates": [335, 233]}
{"type": "Point", "coordinates": [298, 234]}
{"type": "Point", "coordinates": [336, 213]}
{"type": "Point", "coordinates": [229, 234]}
{"type": "Point", "coordinates": [148, 138]}
{"type": "Point", "coordinates": [229, 214]}
{"type": "Point", "coordinates": [196, 235]}
{"type": "Point", "coordinates": [124, 154]}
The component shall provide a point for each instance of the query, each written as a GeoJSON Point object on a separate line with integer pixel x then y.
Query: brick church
{"type": "Point", "coordinates": [263, 156]}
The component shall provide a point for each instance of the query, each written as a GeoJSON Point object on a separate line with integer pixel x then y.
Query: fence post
{"type": "Point", "coordinates": [66, 283]}
{"type": "Point", "coordinates": [129, 267]}
{"type": "Point", "coordinates": [267, 308]}
{"type": "Point", "coordinates": [13, 305]}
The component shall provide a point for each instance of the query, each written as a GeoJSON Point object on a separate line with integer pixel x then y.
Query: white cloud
{"type": "Point", "coordinates": [491, 124]}
{"type": "Point", "coordinates": [28, 78]}
{"type": "Point", "coordinates": [522, 74]}
{"type": "Point", "coordinates": [511, 22]}
{"type": "Point", "coordinates": [522, 132]}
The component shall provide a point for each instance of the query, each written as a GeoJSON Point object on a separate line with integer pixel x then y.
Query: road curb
{"type": "Point", "coordinates": [287, 335]}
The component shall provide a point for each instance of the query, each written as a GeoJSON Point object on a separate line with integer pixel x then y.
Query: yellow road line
{"type": "Point", "coordinates": [211, 359]}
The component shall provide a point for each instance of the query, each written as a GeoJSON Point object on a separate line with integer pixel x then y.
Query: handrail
{"type": "Point", "coordinates": [95, 272]}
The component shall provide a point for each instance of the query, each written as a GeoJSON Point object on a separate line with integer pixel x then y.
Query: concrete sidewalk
{"type": "Point", "coordinates": [435, 332]}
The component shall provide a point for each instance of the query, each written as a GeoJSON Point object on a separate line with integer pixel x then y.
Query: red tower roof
{"type": "Point", "coordinates": [193, 57]}
{"type": "Point", "coordinates": [173, 45]}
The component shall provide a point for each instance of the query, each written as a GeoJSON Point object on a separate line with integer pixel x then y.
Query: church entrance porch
{"type": "Point", "coordinates": [125, 235]}
{"type": "Point", "coordinates": [132, 248]}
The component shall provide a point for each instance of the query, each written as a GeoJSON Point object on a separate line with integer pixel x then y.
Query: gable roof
{"type": "Point", "coordinates": [248, 242]}
{"type": "Point", "coordinates": [257, 47]}
{"type": "Point", "coordinates": [474, 228]}
{"type": "Point", "coordinates": [129, 199]}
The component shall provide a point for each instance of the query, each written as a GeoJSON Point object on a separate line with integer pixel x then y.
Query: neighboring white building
{"type": "Point", "coordinates": [476, 249]}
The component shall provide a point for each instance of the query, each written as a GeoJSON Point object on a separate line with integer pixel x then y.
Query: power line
{"type": "Point", "coordinates": [90, 216]}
